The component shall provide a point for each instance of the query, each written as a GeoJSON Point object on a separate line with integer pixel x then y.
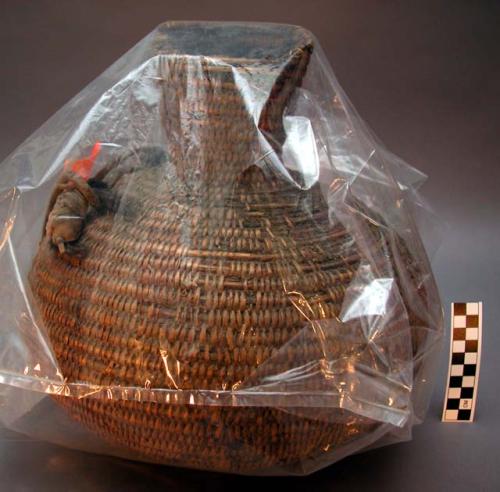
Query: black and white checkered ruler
{"type": "Point", "coordinates": [465, 356]}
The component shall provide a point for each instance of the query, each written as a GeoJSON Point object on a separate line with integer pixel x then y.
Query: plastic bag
{"type": "Point", "coordinates": [208, 261]}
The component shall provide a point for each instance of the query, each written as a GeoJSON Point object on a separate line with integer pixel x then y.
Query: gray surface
{"type": "Point", "coordinates": [426, 78]}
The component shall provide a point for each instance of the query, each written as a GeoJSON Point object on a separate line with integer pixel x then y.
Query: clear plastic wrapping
{"type": "Point", "coordinates": [209, 261]}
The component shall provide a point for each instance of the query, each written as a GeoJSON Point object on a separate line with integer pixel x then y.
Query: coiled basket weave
{"type": "Point", "coordinates": [190, 280]}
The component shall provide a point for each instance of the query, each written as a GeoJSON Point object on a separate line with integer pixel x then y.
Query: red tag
{"type": "Point", "coordinates": [83, 167]}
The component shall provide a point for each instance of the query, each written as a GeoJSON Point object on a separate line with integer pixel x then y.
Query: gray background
{"type": "Point", "coordinates": [425, 76]}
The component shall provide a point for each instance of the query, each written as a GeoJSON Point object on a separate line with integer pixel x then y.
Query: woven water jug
{"type": "Point", "coordinates": [207, 266]}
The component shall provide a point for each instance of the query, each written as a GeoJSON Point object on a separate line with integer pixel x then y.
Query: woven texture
{"type": "Point", "coordinates": [188, 282]}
